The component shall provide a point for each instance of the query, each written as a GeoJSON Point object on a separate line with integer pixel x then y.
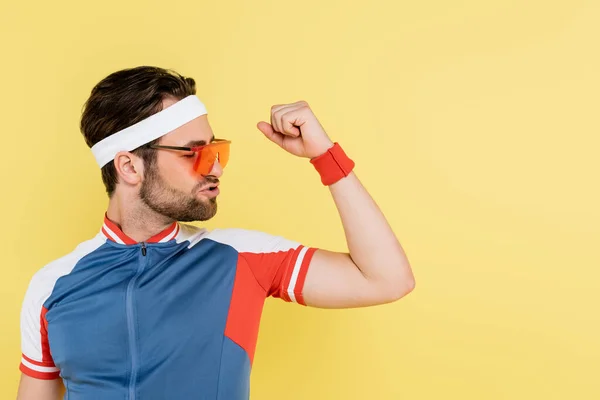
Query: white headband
{"type": "Point", "coordinates": [149, 129]}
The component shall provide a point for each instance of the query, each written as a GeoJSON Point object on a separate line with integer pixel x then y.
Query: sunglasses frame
{"type": "Point", "coordinates": [195, 149]}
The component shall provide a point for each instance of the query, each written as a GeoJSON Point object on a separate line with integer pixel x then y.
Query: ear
{"type": "Point", "coordinates": [130, 168]}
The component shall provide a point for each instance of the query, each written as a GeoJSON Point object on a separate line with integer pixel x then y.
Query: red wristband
{"type": "Point", "coordinates": [333, 165]}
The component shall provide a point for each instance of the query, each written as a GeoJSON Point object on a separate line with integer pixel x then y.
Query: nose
{"type": "Point", "coordinates": [216, 169]}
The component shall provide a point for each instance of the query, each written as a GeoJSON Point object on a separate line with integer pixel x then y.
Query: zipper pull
{"type": "Point", "coordinates": [143, 248]}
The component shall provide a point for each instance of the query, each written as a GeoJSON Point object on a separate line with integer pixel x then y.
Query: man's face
{"type": "Point", "coordinates": [171, 187]}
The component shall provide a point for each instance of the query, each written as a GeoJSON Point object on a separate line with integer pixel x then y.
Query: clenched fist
{"type": "Point", "coordinates": [296, 129]}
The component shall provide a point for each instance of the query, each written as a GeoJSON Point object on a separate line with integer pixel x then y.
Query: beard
{"type": "Point", "coordinates": [176, 204]}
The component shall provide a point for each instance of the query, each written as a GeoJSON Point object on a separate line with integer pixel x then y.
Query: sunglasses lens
{"type": "Point", "coordinates": [207, 156]}
{"type": "Point", "coordinates": [224, 155]}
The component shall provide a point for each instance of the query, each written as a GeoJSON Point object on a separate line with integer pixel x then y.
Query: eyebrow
{"type": "Point", "coordinates": [196, 143]}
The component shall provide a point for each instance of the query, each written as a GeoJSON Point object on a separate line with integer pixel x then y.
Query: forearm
{"type": "Point", "coordinates": [372, 244]}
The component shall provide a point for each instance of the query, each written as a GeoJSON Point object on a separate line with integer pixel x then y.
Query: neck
{"type": "Point", "coordinates": [135, 219]}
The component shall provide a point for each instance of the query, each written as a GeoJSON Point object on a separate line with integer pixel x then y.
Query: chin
{"type": "Point", "coordinates": [197, 217]}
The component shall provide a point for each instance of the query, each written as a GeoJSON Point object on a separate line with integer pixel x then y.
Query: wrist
{"type": "Point", "coordinates": [333, 164]}
{"type": "Point", "coordinates": [323, 148]}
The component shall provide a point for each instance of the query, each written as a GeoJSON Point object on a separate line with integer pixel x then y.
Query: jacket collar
{"type": "Point", "coordinates": [115, 234]}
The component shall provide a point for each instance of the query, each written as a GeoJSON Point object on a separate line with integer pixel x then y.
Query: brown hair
{"type": "Point", "coordinates": [124, 98]}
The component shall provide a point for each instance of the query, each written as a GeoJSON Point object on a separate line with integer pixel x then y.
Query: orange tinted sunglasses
{"type": "Point", "coordinates": [206, 155]}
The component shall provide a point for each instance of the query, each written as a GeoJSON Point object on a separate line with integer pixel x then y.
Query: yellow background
{"type": "Point", "coordinates": [474, 124]}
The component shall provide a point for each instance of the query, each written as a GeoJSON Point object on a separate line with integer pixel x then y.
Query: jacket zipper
{"type": "Point", "coordinates": [131, 325]}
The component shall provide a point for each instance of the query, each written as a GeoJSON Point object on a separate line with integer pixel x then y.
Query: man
{"type": "Point", "coordinates": [153, 308]}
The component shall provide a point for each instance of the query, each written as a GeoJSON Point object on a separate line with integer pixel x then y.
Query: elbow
{"type": "Point", "coordinates": [403, 288]}
{"type": "Point", "coordinates": [409, 285]}
{"type": "Point", "coordinates": [399, 287]}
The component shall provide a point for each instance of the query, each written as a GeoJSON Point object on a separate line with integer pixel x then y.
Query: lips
{"type": "Point", "coordinates": [211, 189]}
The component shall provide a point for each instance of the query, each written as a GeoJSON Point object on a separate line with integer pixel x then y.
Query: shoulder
{"type": "Point", "coordinates": [252, 241]}
{"type": "Point", "coordinates": [242, 240]}
{"type": "Point", "coordinates": [42, 282]}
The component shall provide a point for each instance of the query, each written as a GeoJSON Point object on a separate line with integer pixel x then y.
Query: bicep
{"type": "Point", "coordinates": [39, 389]}
{"type": "Point", "coordinates": [334, 281]}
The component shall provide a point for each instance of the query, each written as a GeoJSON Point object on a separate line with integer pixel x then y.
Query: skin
{"type": "Point", "coordinates": [374, 271]}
